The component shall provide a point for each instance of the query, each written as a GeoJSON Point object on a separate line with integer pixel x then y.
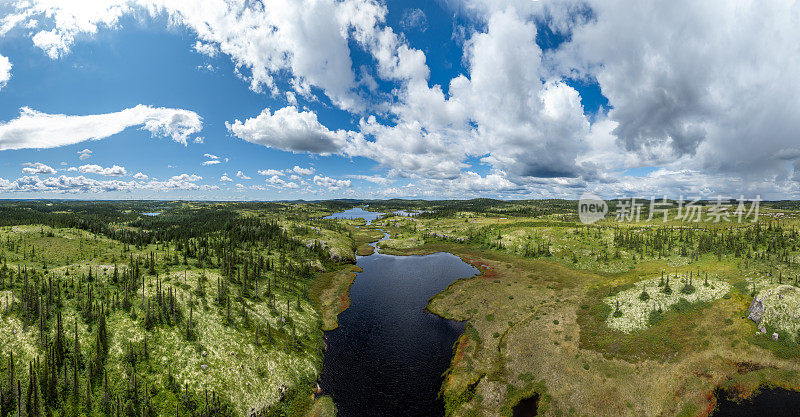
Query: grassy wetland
{"type": "Point", "coordinates": [635, 318]}
{"type": "Point", "coordinates": [220, 308]}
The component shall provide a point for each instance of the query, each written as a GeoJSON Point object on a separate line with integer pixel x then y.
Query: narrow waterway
{"type": "Point", "coordinates": [388, 355]}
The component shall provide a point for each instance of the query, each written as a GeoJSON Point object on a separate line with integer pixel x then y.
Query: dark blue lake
{"type": "Point", "coordinates": [388, 355]}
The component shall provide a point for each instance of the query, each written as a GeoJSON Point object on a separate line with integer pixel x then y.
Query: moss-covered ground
{"type": "Point", "coordinates": [543, 317]}
{"type": "Point", "coordinates": [219, 308]}
{"type": "Point", "coordinates": [229, 315]}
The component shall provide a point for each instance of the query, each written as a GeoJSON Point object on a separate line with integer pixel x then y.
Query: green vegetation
{"type": "Point", "coordinates": [205, 309]}
{"type": "Point", "coordinates": [331, 293]}
{"type": "Point", "coordinates": [644, 318]}
{"type": "Point", "coordinates": [219, 308]}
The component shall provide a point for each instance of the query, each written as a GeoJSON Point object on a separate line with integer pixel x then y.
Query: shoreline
{"type": "Point", "coordinates": [463, 386]}
{"type": "Point", "coordinates": [707, 399]}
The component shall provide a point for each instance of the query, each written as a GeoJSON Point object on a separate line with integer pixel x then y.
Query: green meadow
{"type": "Point", "coordinates": [220, 308]}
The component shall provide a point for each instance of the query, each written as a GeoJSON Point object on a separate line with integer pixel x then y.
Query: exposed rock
{"type": "Point", "coordinates": [756, 309]}
{"type": "Point", "coordinates": [776, 308]}
{"type": "Point", "coordinates": [775, 337]}
{"type": "Point", "coordinates": [204, 366]}
{"type": "Point", "coordinates": [762, 329]}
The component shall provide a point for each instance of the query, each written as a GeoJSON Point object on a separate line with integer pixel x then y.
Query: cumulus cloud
{"type": "Point", "coordinates": [141, 177]}
{"type": "Point", "coordinates": [331, 183]}
{"type": "Point", "coordinates": [303, 171]}
{"type": "Point", "coordinates": [241, 175]}
{"type": "Point", "coordinates": [206, 49]}
{"type": "Point", "coordinates": [32, 168]}
{"type": "Point", "coordinates": [5, 71]}
{"type": "Point", "coordinates": [270, 172]}
{"type": "Point", "coordinates": [307, 39]}
{"type": "Point", "coordinates": [697, 99]}
{"type": "Point", "coordinates": [212, 159]}
{"type": "Point", "coordinates": [506, 109]}
{"type": "Point", "coordinates": [431, 134]}
{"type": "Point", "coordinates": [84, 154]}
{"type": "Point", "coordinates": [73, 185]}
{"type": "Point", "coordinates": [290, 130]}
{"type": "Point", "coordinates": [680, 89]}
{"type": "Point", "coordinates": [375, 179]}
{"type": "Point", "coordinates": [33, 129]}
{"type": "Point", "coordinates": [187, 177]}
{"type": "Point", "coordinates": [277, 182]}
{"type": "Point", "coordinates": [225, 178]}
{"type": "Point", "coordinates": [493, 182]}
{"type": "Point", "coordinates": [115, 171]}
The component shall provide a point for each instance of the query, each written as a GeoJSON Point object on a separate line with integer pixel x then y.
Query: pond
{"type": "Point", "coordinates": [770, 402]}
{"type": "Point", "coordinates": [388, 355]}
{"type": "Point", "coordinates": [155, 213]}
{"type": "Point", "coordinates": [355, 213]}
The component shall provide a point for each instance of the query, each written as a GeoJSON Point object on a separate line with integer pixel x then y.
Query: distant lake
{"type": "Point", "coordinates": [388, 355]}
{"type": "Point", "coordinates": [356, 213]}
{"type": "Point", "coordinates": [156, 213]}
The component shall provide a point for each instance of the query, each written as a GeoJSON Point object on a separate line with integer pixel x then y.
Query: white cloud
{"type": "Point", "coordinates": [677, 107]}
{"type": "Point", "coordinates": [212, 159]}
{"type": "Point", "coordinates": [697, 100]}
{"type": "Point", "coordinates": [80, 184]}
{"type": "Point", "coordinates": [507, 109]}
{"type": "Point", "coordinates": [64, 184]}
{"type": "Point", "coordinates": [115, 171]}
{"type": "Point", "coordinates": [331, 183]}
{"type": "Point", "coordinates": [187, 177]}
{"type": "Point", "coordinates": [375, 179]}
{"type": "Point", "coordinates": [307, 39]}
{"type": "Point", "coordinates": [141, 177]}
{"type": "Point", "coordinates": [5, 71]}
{"type": "Point", "coordinates": [33, 129]}
{"type": "Point", "coordinates": [37, 168]}
{"type": "Point", "coordinates": [206, 49]}
{"type": "Point", "coordinates": [492, 183]}
{"type": "Point", "coordinates": [269, 172]}
{"type": "Point", "coordinates": [290, 130]}
{"type": "Point", "coordinates": [225, 178]}
{"type": "Point", "coordinates": [241, 175]}
{"type": "Point", "coordinates": [414, 18]}
{"type": "Point", "coordinates": [277, 182]}
{"type": "Point", "coordinates": [303, 171]}
{"type": "Point", "coordinates": [84, 154]}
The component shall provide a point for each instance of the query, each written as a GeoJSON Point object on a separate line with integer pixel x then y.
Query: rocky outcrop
{"type": "Point", "coordinates": [756, 310]}
{"type": "Point", "coordinates": [777, 309]}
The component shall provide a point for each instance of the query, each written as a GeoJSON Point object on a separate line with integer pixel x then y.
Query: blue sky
{"type": "Point", "coordinates": [363, 98]}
